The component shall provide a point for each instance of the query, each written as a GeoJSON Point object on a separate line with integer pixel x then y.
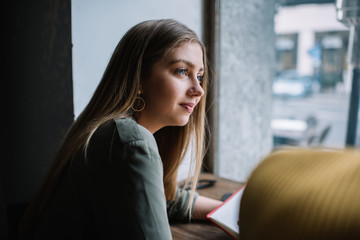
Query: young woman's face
{"type": "Point", "coordinates": [173, 88]}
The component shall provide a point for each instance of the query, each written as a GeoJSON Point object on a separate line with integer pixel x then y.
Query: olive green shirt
{"type": "Point", "coordinates": [116, 193]}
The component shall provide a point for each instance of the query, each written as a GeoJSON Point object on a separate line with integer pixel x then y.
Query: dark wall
{"type": "Point", "coordinates": [38, 107]}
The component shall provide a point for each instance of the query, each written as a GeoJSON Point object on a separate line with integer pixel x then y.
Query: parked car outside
{"type": "Point", "coordinates": [291, 84]}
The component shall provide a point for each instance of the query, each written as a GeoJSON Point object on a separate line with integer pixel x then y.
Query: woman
{"type": "Point", "coordinates": [115, 174]}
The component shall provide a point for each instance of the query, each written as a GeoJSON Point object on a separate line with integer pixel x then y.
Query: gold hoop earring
{"type": "Point", "coordinates": [139, 104]}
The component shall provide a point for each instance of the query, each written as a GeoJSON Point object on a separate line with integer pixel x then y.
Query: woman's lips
{"type": "Point", "coordinates": [189, 107]}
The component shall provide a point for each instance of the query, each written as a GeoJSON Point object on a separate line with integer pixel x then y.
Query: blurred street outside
{"type": "Point", "coordinates": [326, 108]}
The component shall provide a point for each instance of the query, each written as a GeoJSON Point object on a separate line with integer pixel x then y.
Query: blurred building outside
{"type": "Point", "coordinates": [312, 41]}
{"type": "Point", "coordinates": [313, 82]}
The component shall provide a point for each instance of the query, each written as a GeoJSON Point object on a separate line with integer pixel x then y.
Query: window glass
{"type": "Point", "coordinates": [312, 86]}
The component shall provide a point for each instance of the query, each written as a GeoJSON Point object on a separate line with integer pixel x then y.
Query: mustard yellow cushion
{"type": "Point", "coordinates": [303, 194]}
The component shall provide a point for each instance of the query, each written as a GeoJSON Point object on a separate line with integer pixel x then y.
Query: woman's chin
{"type": "Point", "coordinates": [182, 122]}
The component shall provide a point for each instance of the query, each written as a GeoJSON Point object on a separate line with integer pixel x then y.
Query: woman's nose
{"type": "Point", "coordinates": [196, 88]}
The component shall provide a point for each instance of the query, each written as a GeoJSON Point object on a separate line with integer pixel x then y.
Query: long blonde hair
{"type": "Point", "coordinates": [133, 58]}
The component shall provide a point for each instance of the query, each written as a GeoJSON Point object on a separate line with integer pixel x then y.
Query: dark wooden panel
{"type": "Point", "coordinates": [38, 99]}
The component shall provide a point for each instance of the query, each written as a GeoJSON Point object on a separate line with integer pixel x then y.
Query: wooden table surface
{"type": "Point", "coordinates": [206, 230]}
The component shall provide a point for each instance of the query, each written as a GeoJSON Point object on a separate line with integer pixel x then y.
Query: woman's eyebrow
{"type": "Point", "coordinates": [190, 64]}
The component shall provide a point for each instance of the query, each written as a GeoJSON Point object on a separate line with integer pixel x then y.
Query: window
{"type": "Point", "coordinates": [310, 106]}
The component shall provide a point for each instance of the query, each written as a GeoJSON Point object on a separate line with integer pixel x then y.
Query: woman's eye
{"type": "Point", "coordinates": [182, 71]}
{"type": "Point", "coordinates": [200, 78]}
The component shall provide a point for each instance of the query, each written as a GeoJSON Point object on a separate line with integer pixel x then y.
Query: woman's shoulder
{"type": "Point", "coordinates": [129, 131]}
{"type": "Point", "coordinates": [118, 134]}
{"type": "Point", "coordinates": [125, 129]}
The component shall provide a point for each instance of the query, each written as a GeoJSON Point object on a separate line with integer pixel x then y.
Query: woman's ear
{"type": "Point", "coordinates": [142, 85]}
{"type": "Point", "coordinates": [140, 89]}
